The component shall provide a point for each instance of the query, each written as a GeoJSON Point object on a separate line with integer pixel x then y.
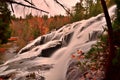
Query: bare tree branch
{"type": "Point", "coordinates": [29, 2]}
{"type": "Point", "coordinates": [46, 3]}
{"type": "Point", "coordinates": [19, 3]}
{"type": "Point", "coordinates": [65, 8]}
{"type": "Point", "coordinates": [11, 7]}
{"type": "Point", "coordinates": [29, 6]}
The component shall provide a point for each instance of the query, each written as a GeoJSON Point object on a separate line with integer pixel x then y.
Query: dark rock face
{"type": "Point", "coordinates": [94, 35]}
{"type": "Point", "coordinates": [25, 50]}
{"type": "Point", "coordinates": [49, 51]}
{"type": "Point", "coordinates": [68, 37]}
{"type": "Point", "coordinates": [40, 42]}
{"type": "Point", "coordinates": [74, 71]}
{"type": "Point", "coordinates": [31, 76]}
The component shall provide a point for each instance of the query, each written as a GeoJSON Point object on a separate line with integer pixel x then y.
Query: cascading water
{"type": "Point", "coordinates": [49, 56]}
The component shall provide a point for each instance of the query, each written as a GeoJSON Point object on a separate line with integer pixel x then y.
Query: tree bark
{"type": "Point", "coordinates": [111, 43]}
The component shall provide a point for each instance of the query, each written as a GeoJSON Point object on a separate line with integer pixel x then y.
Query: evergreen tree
{"type": "Point", "coordinates": [4, 22]}
{"type": "Point", "coordinates": [78, 12]}
{"type": "Point", "coordinates": [118, 10]}
{"type": "Point", "coordinates": [95, 8]}
{"type": "Point", "coordinates": [88, 9]}
{"type": "Point", "coordinates": [29, 16]}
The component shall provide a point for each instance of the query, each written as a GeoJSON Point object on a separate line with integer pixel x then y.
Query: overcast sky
{"type": "Point", "coordinates": [53, 9]}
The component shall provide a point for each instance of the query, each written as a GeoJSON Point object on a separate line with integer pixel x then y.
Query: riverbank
{"type": "Point", "coordinates": [7, 51]}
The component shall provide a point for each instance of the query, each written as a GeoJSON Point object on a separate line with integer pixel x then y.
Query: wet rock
{"type": "Point", "coordinates": [49, 51]}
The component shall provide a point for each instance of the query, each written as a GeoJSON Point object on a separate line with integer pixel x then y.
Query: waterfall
{"type": "Point", "coordinates": [49, 56]}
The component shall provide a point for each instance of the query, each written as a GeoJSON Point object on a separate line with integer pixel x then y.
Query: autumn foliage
{"type": "Point", "coordinates": [33, 26]}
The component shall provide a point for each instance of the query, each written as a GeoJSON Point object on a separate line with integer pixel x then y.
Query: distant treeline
{"type": "Point", "coordinates": [31, 27]}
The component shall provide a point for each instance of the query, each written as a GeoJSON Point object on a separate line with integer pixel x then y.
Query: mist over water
{"type": "Point", "coordinates": [49, 56]}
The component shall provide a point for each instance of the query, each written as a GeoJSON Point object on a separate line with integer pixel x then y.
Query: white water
{"type": "Point", "coordinates": [79, 35]}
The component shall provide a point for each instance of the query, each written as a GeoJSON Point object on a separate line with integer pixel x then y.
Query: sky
{"type": "Point", "coordinates": [53, 8]}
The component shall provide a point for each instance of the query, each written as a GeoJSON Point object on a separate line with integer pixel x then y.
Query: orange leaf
{"type": "Point", "coordinates": [73, 56]}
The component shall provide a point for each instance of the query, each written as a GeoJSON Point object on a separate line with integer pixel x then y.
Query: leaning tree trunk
{"type": "Point", "coordinates": [111, 43]}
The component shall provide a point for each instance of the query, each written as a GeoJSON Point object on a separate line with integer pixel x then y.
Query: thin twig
{"type": "Point", "coordinates": [11, 7]}
{"type": "Point", "coordinates": [29, 2]}
{"type": "Point", "coordinates": [66, 9]}
{"type": "Point", "coordinates": [46, 3]}
{"type": "Point", "coordinates": [29, 6]}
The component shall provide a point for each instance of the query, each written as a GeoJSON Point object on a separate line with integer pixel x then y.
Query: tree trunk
{"type": "Point", "coordinates": [111, 43]}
